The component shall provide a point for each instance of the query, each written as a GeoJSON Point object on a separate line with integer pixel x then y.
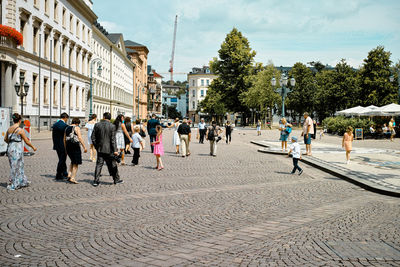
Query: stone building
{"type": "Point", "coordinates": [138, 54]}
{"type": "Point", "coordinates": [199, 80]}
{"type": "Point", "coordinates": [154, 88]}
{"type": "Point", "coordinates": [54, 57]}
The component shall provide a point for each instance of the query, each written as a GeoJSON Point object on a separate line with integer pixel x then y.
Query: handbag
{"type": "Point", "coordinates": [288, 130]}
{"type": "Point", "coordinates": [72, 137]}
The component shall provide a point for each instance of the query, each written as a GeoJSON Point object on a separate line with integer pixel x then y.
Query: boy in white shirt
{"type": "Point", "coordinates": [296, 154]}
{"type": "Point", "coordinates": [137, 145]}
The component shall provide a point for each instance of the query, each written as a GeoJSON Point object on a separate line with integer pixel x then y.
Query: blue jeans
{"type": "Point", "coordinates": [152, 139]}
{"type": "Point", "coordinates": [295, 165]}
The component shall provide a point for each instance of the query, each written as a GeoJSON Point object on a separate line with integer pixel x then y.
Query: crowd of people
{"type": "Point", "coordinates": [108, 142]}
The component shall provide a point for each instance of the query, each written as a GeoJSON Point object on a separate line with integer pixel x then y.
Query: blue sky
{"type": "Point", "coordinates": [284, 32]}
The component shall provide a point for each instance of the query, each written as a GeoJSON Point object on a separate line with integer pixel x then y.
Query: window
{"type": "Point", "coordinates": [193, 93]}
{"type": "Point", "coordinates": [64, 17]}
{"type": "Point", "coordinates": [77, 98]}
{"type": "Point", "coordinates": [71, 52]}
{"type": "Point", "coordinates": [55, 50]}
{"type": "Point", "coordinates": [202, 82]}
{"type": "Point", "coordinates": [77, 63]}
{"type": "Point", "coordinates": [64, 55]}
{"type": "Point", "coordinates": [23, 31]}
{"type": "Point", "coordinates": [207, 70]}
{"type": "Point", "coordinates": [36, 3]}
{"type": "Point", "coordinates": [55, 86]}
{"type": "Point", "coordinates": [78, 32]}
{"type": "Point", "coordinates": [63, 95]}
{"type": "Point", "coordinates": [84, 34]}
{"type": "Point", "coordinates": [202, 93]}
{"type": "Point", "coordinates": [46, 91]}
{"type": "Point", "coordinates": [70, 98]}
{"type": "Point", "coordinates": [55, 10]}
{"type": "Point", "coordinates": [71, 24]}
{"type": "Point", "coordinates": [35, 89]}
{"type": "Point", "coordinates": [46, 7]}
{"type": "Point", "coordinates": [193, 82]}
{"type": "Point", "coordinates": [193, 105]}
{"type": "Point", "coordinates": [36, 41]}
{"type": "Point", "coordinates": [46, 45]}
{"type": "Point", "coordinates": [208, 82]}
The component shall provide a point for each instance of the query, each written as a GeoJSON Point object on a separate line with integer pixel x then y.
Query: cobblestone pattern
{"type": "Point", "coordinates": [241, 208]}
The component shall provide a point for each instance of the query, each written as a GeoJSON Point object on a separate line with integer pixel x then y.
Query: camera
{"type": "Point", "coordinates": [117, 158]}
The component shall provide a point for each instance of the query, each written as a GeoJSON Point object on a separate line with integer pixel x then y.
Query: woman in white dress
{"type": "Point", "coordinates": [120, 131]}
{"type": "Point", "coordinates": [89, 127]}
{"type": "Point", "coordinates": [176, 140]}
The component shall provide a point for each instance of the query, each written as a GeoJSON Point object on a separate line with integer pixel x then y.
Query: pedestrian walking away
{"type": "Point", "coordinates": [213, 137]}
{"type": "Point", "coordinates": [308, 128]}
{"type": "Point", "coordinates": [59, 147]}
{"type": "Point", "coordinates": [128, 126]}
{"type": "Point", "coordinates": [158, 148]}
{"type": "Point", "coordinates": [347, 142]}
{"type": "Point", "coordinates": [185, 135]}
{"type": "Point", "coordinates": [258, 127]}
{"type": "Point", "coordinates": [72, 142]}
{"type": "Point", "coordinates": [201, 131]}
{"type": "Point", "coordinates": [103, 138]}
{"type": "Point", "coordinates": [89, 127]}
{"type": "Point", "coordinates": [228, 132]}
{"type": "Point", "coordinates": [285, 129]}
{"type": "Point", "coordinates": [296, 155]}
{"type": "Point", "coordinates": [151, 130]}
{"type": "Point", "coordinates": [175, 138]}
{"type": "Point", "coordinates": [137, 145]}
{"type": "Point", "coordinates": [120, 134]}
{"type": "Point", "coordinates": [15, 153]}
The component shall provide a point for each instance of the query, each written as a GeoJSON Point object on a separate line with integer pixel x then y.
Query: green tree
{"type": "Point", "coordinates": [376, 88]}
{"type": "Point", "coordinates": [301, 99]}
{"type": "Point", "coordinates": [234, 65]}
{"type": "Point", "coordinates": [261, 95]}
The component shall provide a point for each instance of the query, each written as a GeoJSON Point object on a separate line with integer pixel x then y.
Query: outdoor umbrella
{"type": "Point", "coordinates": [351, 111]}
{"type": "Point", "coordinates": [371, 111]}
{"type": "Point", "coordinates": [391, 110]}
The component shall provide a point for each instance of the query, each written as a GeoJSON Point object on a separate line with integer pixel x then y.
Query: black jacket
{"type": "Point", "coordinates": [58, 135]}
{"type": "Point", "coordinates": [103, 137]}
{"type": "Point", "coordinates": [151, 126]}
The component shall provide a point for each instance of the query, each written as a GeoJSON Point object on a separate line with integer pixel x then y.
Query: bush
{"type": "Point", "coordinates": [338, 125]}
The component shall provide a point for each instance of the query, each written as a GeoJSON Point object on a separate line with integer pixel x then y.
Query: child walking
{"type": "Point", "coordinates": [347, 142]}
{"type": "Point", "coordinates": [296, 154]}
{"type": "Point", "coordinates": [158, 148]}
{"type": "Point", "coordinates": [137, 145]}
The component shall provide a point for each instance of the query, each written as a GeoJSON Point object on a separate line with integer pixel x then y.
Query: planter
{"type": "Point", "coordinates": [6, 31]}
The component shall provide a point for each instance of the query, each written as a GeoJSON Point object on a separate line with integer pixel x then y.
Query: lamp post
{"type": "Point", "coordinates": [99, 70]}
{"type": "Point", "coordinates": [22, 89]}
{"type": "Point", "coordinates": [283, 91]}
{"type": "Point", "coordinates": [398, 83]}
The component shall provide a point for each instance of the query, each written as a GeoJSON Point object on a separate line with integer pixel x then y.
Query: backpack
{"type": "Point", "coordinates": [142, 133]}
{"type": "Point", "coordinates": [211, 134]}
{"type": "Point", "coordinates": [288, 130]}
{"type": "Point", "coordinates": [72, 137]}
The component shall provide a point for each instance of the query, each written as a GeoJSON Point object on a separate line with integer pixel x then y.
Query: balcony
{"type": "Point", "coordinates": [8, 42]}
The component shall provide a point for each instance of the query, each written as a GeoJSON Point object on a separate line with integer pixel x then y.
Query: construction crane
{"type": "Point", "coordinates": [171, 62]}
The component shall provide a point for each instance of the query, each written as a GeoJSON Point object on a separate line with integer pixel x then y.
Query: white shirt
{"type": "Point", "coordinates": [308, 122]}
{"type": "Point", "coordinates": [202, 125]}
{"type": "Point", "coordinates": [137, 139]}
{"type": "Point", "coordinates": [295, 147]}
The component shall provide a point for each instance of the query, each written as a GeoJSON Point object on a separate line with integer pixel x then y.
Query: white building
{"type": "Point", "coordinates": [199, 80]}
{"type": "Point", "coordinates": [113, 89]}
{"type": "Point", "coordinates": [54, 57]}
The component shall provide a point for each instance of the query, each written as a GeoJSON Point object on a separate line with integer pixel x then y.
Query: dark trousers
{"type": "Point", "coordinates": [111, 165]}
{"type": "Point", "coordinates": [152, 139]}
{"type": "Point", "coordinates": [62, 165]}
{"type": "Point", "coordinates": [295, 165]}
{"type": "Point", "coordinates": [136, 156]}
{"type": "Point", "coordinates": [202, 134]}
{"type": "Point", "coordinates": [228, 137]}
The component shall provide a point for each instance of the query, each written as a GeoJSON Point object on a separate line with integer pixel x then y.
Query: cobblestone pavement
{"type": "Point", "coordinates": [241, 208]}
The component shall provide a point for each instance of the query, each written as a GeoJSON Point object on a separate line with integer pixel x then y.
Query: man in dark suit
{"type": "Point", "coordinates": [58, 145]}
{"type": "Point", "coordinates": [103, 138]}
{"type": "Point", "coordinates": [151, 129]}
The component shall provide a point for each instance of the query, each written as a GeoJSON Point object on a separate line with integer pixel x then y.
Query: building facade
{"type": "Point", "coordinates": [154, 89]}
{"type": "Point", "coordinates": [113, 89]}
{"type": "Point", "coordinates": [138, 55]}
{"type": "Point", "coordinates": [199, 80]}
{"type": "Point", "coordinates": [54, 57]}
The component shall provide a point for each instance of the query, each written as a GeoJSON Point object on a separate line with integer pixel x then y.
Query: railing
{"type": "Point", "coordinates": [8, 42]}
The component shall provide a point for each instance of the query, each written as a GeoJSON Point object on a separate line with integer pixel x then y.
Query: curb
{"type": "Point", "coordinates": [353, 178]}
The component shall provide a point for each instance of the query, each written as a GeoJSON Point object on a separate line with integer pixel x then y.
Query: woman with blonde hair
{"type": "Point", "coordinates": [391, 129]}
{"type": "Point", "coordinates": [89, 127]}
{"type": "Point", "coordinates": [286, 129]}
{"type": "Point", "coordinates": [347, 142]}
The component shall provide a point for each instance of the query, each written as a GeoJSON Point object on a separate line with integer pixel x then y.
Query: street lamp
{"type": "Point", "coordinates": [391, 78]}
{"type": "Point", "coordinates": [22, 89]}
{"type": "Point", "coordinates": [283, 91]}
{"type": "Point", "coordinates": [99, 70]}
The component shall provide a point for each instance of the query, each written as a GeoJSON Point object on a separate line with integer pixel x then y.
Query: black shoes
{"type": "Point", "coordinates": [300, 172]}
{"type": "Point", "coordinates": [119, 182]}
